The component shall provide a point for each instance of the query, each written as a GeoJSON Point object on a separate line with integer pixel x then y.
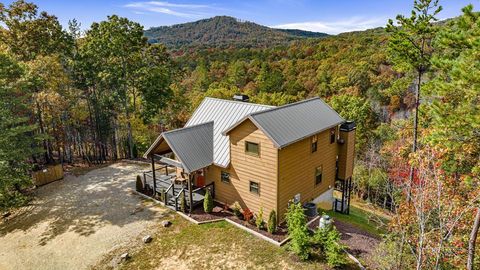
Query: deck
{"type": "Point", "coordinates": [164, 183]}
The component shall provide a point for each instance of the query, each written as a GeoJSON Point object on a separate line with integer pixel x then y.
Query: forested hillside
{"type": "Point", "coordinates": [413, 90]}
{"type": "Point", "coordinates": [224, 31]}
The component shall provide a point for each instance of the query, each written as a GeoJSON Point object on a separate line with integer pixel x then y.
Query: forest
{"type": "Point", "coordinates": [72, 96]}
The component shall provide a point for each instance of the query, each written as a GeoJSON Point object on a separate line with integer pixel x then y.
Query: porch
{"type": "Point", "coordinates": [168, 187]}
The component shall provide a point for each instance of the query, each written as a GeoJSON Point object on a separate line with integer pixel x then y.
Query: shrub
{"type": "Point", "coordinates": [259, 219]}
{"type": "Point", "coordinates": [334, 249]}
{"type": "Point", "coordinates": [247, 215]}
{"type": "Point", "coordinates": [300, 242]}
{"type": "Point", "coordinates": [237, 209]}
{"type": "Point", "coordinates": [182, 202]}
{"type": "Point", "coordinates": [272, 222]}
{"type": "Point", "coordinates": [208, 202]}
{"type": "Point", "coordinates": [139, 184]}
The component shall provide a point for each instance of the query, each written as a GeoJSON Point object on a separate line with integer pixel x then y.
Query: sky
{"type": "Point", "coordinates": [328, 16]}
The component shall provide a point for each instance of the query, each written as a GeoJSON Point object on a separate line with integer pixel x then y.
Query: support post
{"type": "Point", "coordinates": [154, 178]}
{"type": "Point", "coordinates": [344, 188]}
{"type": "Point", "coordinates": [166, 169]}
{"type": "Point", "coordinates": [190, 193]}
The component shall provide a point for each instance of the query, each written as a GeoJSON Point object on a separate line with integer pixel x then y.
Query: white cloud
{"type": "Point", "coordinates": [179, 10]}
{"type": "Point", "coordinates": [336, 27]}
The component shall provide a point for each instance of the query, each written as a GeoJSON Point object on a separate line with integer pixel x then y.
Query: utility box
{"type": "Point", "coordinates": [346, 153]}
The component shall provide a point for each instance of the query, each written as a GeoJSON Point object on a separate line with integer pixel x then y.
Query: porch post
{"type": "Point", "coordinates": [154, 178]}
{"type": "Point", "coordinates": [190, 193]}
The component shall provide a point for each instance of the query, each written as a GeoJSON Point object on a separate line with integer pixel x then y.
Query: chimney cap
{"type": "Point", "coordinates": [241, 97]}
{"type": "Point", "coordinates": [348, 126]}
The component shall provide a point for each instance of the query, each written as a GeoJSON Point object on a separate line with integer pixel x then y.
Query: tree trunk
{"type": "Point", "coordinates": [472, 240]}
{"type": "Point", "coordinates": [415, 129]}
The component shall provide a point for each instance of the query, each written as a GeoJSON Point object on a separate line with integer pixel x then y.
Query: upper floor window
{"type": "Point", "coordinates": [225, 177]}
{"type": "Point", "coordinates": [318, 175]}
{"type": "Point", "coordinates": [252, 148]}
{"type": "Point", "coordinates": [313, 145]}
{"type": "Point", "coordinates": [254, 187]}
{"type": "Point", "coordinates": [332, 135]}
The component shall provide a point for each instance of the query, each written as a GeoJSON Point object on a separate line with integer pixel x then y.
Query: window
{"type": "Point", "coordinates": [254, 187]}
{"type": "Point", "coordinates": [318, 175]}
{"type": "Point", "coordinates": [252, 148]}
{"type": "Point", "coordinates": [332, 135]}
{"type": "Point", "coordinates": [225, 177]}
{"type": "Point", "coordinates": [314, 144]}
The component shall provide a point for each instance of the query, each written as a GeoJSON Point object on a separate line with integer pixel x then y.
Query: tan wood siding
{"type": "Point", "coordinates": [297, 166]}
{"type": "Point", "coordinates": [245, 168]}
{"type": "Point", "coordinates": [346, 154]}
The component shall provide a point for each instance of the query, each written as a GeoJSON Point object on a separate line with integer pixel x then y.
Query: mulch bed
{"type": "Point", "coordinates": [218, 213]}
{"type": "Point", "coordinates": [279, 236]}
{"type": "Point", "coordinates": [360, 243]}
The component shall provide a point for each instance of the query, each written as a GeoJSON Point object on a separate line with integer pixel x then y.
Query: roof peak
{"type": "Point", "coordinates": [287, 105]}
{"type": "Point", "coordinates": [239, 102]}
{"type": "Point", "coordinates": [189, 127]}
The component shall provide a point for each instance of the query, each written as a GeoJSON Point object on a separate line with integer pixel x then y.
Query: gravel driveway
{"type": "Point", "coordinates": [73, 222]}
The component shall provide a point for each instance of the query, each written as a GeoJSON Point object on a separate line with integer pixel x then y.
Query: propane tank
{"type": "Point", "coordinates": [325, 222]}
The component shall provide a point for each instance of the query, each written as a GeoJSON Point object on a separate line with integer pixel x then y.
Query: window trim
{"type": "Point", "coordinates": [258, 188]}
{"type": "Point", "coordinates": [315, 175]}
{"type": "Point", "coordinates": [333, 135]}
{"type": "Point", "coordinates": [252, 153]}
{"type": "Point", "coordinates": [222, 179]}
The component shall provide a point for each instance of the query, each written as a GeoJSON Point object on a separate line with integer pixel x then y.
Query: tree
{"type": "Point", "coordinates": [410, 48]}
{"type": "Point", "coordinates": [272, 222]}
{"type": "Point", "coordinates": [300, 242]}
{"type": "Point", "coordinates": [208, 202]}
{"type": "Point", "coordinates": [16, 138]}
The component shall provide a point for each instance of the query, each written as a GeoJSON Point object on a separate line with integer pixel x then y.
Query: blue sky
{"type": "Point", "coordinates": [328, 16]}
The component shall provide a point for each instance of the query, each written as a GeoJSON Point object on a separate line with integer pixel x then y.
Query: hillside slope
{"type": "Point", "coordinates": [224, 31]}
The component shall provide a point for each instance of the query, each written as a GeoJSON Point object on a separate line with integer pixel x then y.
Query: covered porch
{"type": "Point", "coordinates": [179, 159]}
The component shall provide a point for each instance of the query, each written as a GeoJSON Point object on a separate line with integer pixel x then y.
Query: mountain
{"type": "Point", "coordinates": [224, 31]}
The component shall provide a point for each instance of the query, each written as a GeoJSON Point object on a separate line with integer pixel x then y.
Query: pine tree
{"type": "Point", "coordinates": [208, 202]}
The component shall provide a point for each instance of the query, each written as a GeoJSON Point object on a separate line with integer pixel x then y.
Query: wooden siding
{"type": "Point", "coordinates": [297, 166]}
{"type": "Point", "coordinates": [245, 168]}
{"type": "Point", "coordinates": [346, 155]}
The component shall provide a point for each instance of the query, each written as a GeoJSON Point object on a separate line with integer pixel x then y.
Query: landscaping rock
{"type": "Point", "coordinates": [166, 223]}
{"type": "Point", "coordinates": [147, 239]}
{"type": "Point", "coordinates": [124, 257]}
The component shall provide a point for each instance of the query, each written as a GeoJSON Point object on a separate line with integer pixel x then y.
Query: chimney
{"type": "Point", "coordinates": [240, 97]}
{"type": "Point", "coordinates": [346, 150]}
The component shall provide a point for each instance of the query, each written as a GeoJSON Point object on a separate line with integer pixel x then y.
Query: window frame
{"type": "Point", "coordinates": [252, 153]}
{"type": "Point", "coordinates": [333, 135]}
{"type": "Point", "coordinates": [257, 192]}
{"type": "Point", "coordinates": [222, 179]}
{"type": "Point", "coordinates": [316, 175]}
{"type": "Point", "coordinates": [314, 144]}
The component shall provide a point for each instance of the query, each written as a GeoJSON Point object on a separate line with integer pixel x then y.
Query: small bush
{"type": "Point", "coordinates": [334, 249]}
{"type": "Point", "coordinates": [208, 202]}
{"type": "Point", "coordinates": [247, 215]}
{"type": "Point", "coordinates": [300, 242]}
{"type": "Point", "coordinates": [182, 202]}
{"type": "Point", "coordinates": [237, 209]}
{"type": "Point", "coordinates": [139, 184]}
{"type": "Point", "coordinates": [272, 222]}
{"type": "Point", "coordinates": [259, 222]}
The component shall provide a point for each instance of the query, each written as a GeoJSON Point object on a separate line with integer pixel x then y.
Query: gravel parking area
{"type": "Point", "coordinates": [74, 222]}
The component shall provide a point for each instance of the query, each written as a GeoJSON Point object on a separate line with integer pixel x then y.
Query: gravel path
{"type": "Point", "coordinates": [75, 221]}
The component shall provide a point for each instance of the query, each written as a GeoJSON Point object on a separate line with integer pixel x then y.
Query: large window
{"type": "Point", "coordinates": [252, 148]}
{"type": "Point", "coordinates": [225, 176]}
{"type": "Point", "coordinates": [313, 146]}
{"type": "Point", "coordinates": [332, 135]}
{"type": "Point", "coordinates": [254, 187]}
{"type": "Point", "coordinates": [318, 175]}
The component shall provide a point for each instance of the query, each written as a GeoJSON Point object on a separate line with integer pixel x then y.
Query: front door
{"type": "Point", "coordinates": [200, 180]}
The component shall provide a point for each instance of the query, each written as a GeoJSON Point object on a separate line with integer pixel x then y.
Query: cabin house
{"type": "Point", "coordinates": [258, 155]}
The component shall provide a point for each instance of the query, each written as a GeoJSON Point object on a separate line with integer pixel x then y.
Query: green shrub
{"type": "Point", "coordinates": [300, 242]}
{"type": "Point", "coordinates": [334, 249]}
{"type": "Point", "coordinates": [208, 202]}
{"type": "Point", "coordinates": [139, 184]}
{"type": "Point", "coordinates": [236, 208]}
{"type": "Point", "coordinates": [182, 202]}
{"type": "Point", "coordinates": [259, 222]}
{"type": "Point", "coordinates": [272, 222]}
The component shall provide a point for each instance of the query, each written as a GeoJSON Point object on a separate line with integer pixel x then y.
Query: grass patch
{"type": "Point", "coordinates": [365, 220]}
{"type": "Point", "coordinates": [216, 245]}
